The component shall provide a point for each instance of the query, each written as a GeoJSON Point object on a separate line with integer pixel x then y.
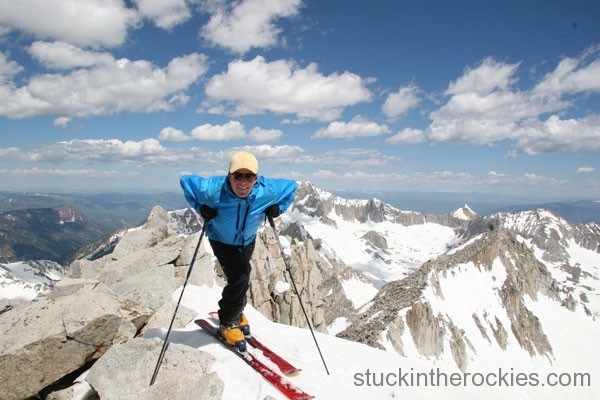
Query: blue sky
{"type": "Point", "coordinates": [461, 96]}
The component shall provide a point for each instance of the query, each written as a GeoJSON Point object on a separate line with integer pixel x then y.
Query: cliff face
{"type": "Point", "coordinates": [493, 277]}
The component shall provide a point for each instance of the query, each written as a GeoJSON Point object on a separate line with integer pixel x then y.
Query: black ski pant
{"type": "Point", "coordinates": [235, 262]}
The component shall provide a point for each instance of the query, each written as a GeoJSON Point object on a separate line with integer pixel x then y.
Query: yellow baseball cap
{"type": "Point", "coordinates": [241, 160]}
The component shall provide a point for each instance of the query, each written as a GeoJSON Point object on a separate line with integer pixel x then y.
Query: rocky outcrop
{"type": "Point", "coordinates": [99, 304]}
{"type": "Point", "coordinates": [93, 314]}
{"type": "Point", "coordinates": [318, 277]}
{"type": "Point", "coordinates": [52, 336]}
{"type": "Point", "coordinates": [412, 302]}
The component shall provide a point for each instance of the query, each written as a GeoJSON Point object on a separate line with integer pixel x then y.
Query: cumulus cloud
{"type": "Point", "coordinates": [257, 134]}
{"type": "Point", "coordinates": [60, 55]}
{"type": "Point", "coordinates": [399, 103]}
{"type": "Point", "coordinates": [164, 14]}
{"type": "Point", "coordinates": [61, 122]}
{"type": "Point", "coordinates": [357, 127]}
{"type": "Point", "coordinates": [556, 135]}
{"type": "Point", "coordinates": [281, 87]}
{"type": "Point", "coordinates": [219, 133]}
{"type": "Point", "coordinates": [485, 108]}
{"type": "Point", "coordinates": [573, 75]}
{"type": "Point", "coordinates": [170, 134]}
{"type": "Point", "coordinates": [143, 153]}
{"type": "Point", "coordinates": [8, 69]}
{"type": "Point", "coordinates": [243, 25]}
{"type": "Point", "coordinates": [586, 170]}
{"type": "Point", "coordinates": [94, 23]}
{"type": "Point", "coordinates": [268, 153]}
{"type": "Point", "coordinates": [233, 130]}
{"type": "Point", "coordinates": [116, 86]}
{"type": "Point", "coordinates": [407, 136]}
{"type": "Point", "coordinates": [102, 152]}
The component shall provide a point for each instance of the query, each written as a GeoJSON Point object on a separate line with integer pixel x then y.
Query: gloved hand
{"type": "Point", "coordinates": [273, 211]}
{"type": "Point", "coordinates": [207, 213]}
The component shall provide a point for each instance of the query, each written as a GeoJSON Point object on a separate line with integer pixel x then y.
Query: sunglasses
{"type": "Point", "coordinates": [238, 176]}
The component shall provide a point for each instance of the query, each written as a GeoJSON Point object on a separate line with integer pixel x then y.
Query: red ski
{"type": "Point", "coordinates": [283, 385]}
{"type": "Point", "coordinates": [284, 366]}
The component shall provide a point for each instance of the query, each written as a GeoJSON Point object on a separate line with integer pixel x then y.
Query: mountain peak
{"type": "Point", "coordinates": [465, 213]}
{"type": "Point", "coordinates": [490, 277]}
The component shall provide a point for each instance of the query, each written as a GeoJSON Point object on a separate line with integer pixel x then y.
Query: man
{"type": "Point", "coordinates": [233, 206]}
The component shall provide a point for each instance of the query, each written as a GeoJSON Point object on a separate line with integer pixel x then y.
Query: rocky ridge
{"type": "Point", "coordinates": [96, 312]}
{"type": "Point", "coordinates": [123, 290]}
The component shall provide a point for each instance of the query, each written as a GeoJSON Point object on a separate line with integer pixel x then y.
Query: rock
{"type": "Point", "coordinates": [50, 337]}
{"type": "Point", "coordinates": [125, 371]}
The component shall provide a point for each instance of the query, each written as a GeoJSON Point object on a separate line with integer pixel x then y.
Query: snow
{"type": "Point", "coordinates": [407, 246]}
{"type": "Point", "coordinates": [464, 213]}
{"type": "Point", "coordinates": [282, 287]}
{"type": "Point", "coordinates": [358, 371]}
{"type": "Point", "coordinates": [19, 280]}
{"type": "Point", "coordinates": [359, 292]}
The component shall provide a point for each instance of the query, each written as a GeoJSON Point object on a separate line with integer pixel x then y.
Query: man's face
{"type": "Point", "coordinates": [242, 181]}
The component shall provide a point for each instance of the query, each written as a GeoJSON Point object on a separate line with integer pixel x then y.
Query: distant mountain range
{"type": "Point", "coordinates": [44, 233]}
{"type": "Point", "coordinates": [31, 227]}
{"type": "Point", "coordinates": [110, 211]}
{"type": "Point", "coordinates": [574, 211]}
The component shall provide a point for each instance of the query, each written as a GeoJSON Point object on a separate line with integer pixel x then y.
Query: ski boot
{"type": "Point", "coordinates": [234, 336]}
{"type": "Point", "coordinates": [244, 325]}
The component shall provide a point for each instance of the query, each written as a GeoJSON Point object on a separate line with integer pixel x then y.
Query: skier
{"type": "Point", "coordinates": [233, 206]}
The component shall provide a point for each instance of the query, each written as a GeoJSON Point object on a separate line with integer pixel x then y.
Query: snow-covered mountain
{"type": "Point", "coordinates": [24, 280]}
{"type": "Point", "coordinates": [438, 306]}
{"type": "Point", "coordinates": [375, 238]}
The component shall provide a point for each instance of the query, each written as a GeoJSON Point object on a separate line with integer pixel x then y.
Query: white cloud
{"type": "Point", "coordinates": [573, 76]}
{"type": "Point", "coordinates": [399, 103]}
{"type": "Point", "coordinates": [484, 108]}
{"type": "Point", "coordinates": [486, 78]}
{"type": "Point", "coordinates": [268, 153]}
{"type": "Point", "coordinates": [232, 130]}
{"type": "Point", "coordinates": [257, 134]}
{"type": "Point", "coordinates": [257, 86]}
{"type": "Point", "coordinates": [61, 122]}
{"type": "Point", "coordinates": [8, 69]}
{"type": "Point", "coordinates": [358, 127]}
{"type": "Point", "coordinates": [219, 133]}
{"type": "Point", "coordinates": [101, 151]}
{"type": "Point", "coordinates": [120, 86]}
{"type": "Point", "coordinates": [407, 136]}
{"type": "Point", "coordinates": [443, 180]}
{"type": "Point", "coordinates": [170, 134]}
{"type": "Point", "coordinates": [165, 14]}
{"type": "Point", "coordinates": [586, 170]}
{"type": "Point", "coordinates": [88, 173]}
{"type": "Point", "coordinates": [243, 25]}
{"type": "Point", "coordinates": [60, 55]}
{"type": "Point", "coordinates": [557, 135]}
{"type": "Point", "coordinates": [95, 23]}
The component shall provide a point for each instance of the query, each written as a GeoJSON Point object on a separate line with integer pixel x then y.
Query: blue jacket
{"type": "Point", "coordinates": [237, 219]}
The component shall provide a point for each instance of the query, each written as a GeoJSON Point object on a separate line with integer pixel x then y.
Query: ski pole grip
{"type": "Point", "coordinates": [271, 221]}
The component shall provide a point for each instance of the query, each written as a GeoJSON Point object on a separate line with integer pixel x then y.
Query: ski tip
{"type": "Point", "coordinates": [292, 373]}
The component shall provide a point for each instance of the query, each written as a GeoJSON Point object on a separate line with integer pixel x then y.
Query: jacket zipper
{"type": "Point", "coordinates": [243, 222]}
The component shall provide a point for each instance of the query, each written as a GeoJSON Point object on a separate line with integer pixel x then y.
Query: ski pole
{"type": "Point", "coordinates": [289, 270]}
{"type": "Point", "coordinates": [166, 342]}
